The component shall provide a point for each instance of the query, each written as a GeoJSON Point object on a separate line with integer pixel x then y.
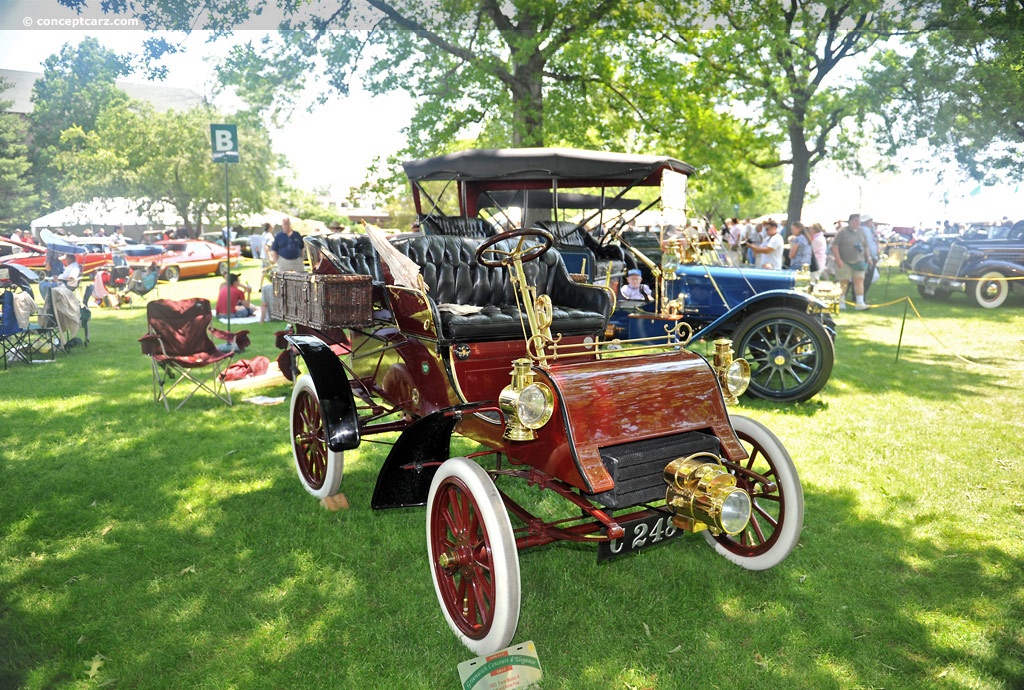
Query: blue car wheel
{"type": "Point", "coordinates": [789, 352]}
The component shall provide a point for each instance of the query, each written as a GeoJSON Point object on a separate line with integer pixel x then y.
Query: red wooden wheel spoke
{"type": "Point", "coordinates": [753, 534]}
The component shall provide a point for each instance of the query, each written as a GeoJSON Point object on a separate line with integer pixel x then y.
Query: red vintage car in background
{"type": "Point", "coordinates": [91, 252]}
{"type": "Point", "coordinates": [467, 330]}
{"type": "Point", "coordinates": [188, 259]}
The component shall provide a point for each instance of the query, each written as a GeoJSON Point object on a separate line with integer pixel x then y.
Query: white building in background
{"type": "Point", "coordinates": [373, 216]}
{"type": "Point", "coordinates": [163, 98]}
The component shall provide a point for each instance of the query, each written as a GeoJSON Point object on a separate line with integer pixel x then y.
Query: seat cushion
{"type": "Point", "coordinates": [454, 276]}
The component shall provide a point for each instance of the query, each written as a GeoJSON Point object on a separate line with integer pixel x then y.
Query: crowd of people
{"type": "Point", "coordinates": [851, 257]}
{"type": "Point", "coordinates": [280, 252]}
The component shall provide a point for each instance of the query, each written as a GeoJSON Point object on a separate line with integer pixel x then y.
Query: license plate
{"type": "Point", "coordinates": [640, 534]}
{"type": "Point", "coordinates": [929, 288]}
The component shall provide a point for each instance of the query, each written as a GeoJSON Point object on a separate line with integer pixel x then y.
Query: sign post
{"type": "Point", "coordinates": [224, 139]}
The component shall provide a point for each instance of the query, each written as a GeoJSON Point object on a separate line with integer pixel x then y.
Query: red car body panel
{"type": "Point", "coordinates": [191, 257]}
{"type": "Point", "coordinates": [34, 256]}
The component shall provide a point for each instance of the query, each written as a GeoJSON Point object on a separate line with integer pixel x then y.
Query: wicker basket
{"type": "Point", "coordinates": [323, 301]}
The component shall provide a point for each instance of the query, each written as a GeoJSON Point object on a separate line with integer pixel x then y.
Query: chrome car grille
{"type": "Point", "coordinates": [955, 259]}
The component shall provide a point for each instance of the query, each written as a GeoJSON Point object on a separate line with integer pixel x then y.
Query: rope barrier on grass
{"type": "Point", "coordinates": [911, 305]}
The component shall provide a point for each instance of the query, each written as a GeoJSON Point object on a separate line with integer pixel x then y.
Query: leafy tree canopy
{"type": "Point", "coordinates": [782, 62]}
{"type": "Point", "coordinates": [77, 85]}
{"type": "Point", "coordinates": [137, 152]}
{"type": "Point", "coordinates": [17, 196]}
{"type": "Point", "coordinates": [958, 87]}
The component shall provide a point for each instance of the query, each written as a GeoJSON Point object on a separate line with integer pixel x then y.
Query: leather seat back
{"type": "Point", "coordinates": [349, 254]}
{"type": "Point", "coordinates": [457, 227]}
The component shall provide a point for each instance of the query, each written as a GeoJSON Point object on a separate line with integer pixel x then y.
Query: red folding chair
{"type": "Point", "coordinates": [179, 347]}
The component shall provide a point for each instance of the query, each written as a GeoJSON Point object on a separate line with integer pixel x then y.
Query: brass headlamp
{"type": "Point", "coordinates": [703, 495]}
{"type": "Point", "coordinates": [527, 405]}
{"type": "Point", "coordinates": [733, 374]}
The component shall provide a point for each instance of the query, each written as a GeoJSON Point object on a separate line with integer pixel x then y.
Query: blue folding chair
{"type": "Point", "coordinates": [14, 339]}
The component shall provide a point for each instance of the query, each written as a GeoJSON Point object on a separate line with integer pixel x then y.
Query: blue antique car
{"type": "Point", "coordinates": [779, 323]}
{"type": "Point", "coordinates": [988, 270]}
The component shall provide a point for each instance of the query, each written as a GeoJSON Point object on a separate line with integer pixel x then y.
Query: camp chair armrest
{"type": "Point", "coordinates": [239, 338]}
{"type": "Point", "coordinates": [152, 345]}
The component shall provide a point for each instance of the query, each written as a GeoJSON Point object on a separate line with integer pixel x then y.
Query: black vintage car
{"type": "Point", "coordinates": [987, 269]}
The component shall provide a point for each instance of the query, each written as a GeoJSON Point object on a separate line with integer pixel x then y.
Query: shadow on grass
{"type": "Point", "coordinates": [181, 549]}
{"type": "Point", "coordinates": [224, 571]}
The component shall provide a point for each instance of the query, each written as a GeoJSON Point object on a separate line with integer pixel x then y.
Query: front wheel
{"type": "Point", "coordinates": [778, 514]}
{"type": "Point", "coordinates": [790, 354]}
{"type": "Point", "coordinates": [319, 467]}
{"type": "Point", "coordinates": [222, 269]}
{"type": "Point", "coordinates": [171, 274]}
{"type": "Point", "coordinates": [989, 290]}
{"type": "Point", "coordinates": [473, 559]}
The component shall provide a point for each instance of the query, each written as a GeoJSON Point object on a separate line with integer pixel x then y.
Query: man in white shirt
{"type": "Point", "coordinates": [68, 278]}
{"type": "Point", "coordinates": [769, 252]}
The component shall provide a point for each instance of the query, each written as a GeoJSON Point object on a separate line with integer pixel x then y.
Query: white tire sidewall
{"type": "Point", "coordinates": [335, 459]}
{"type": "Point", "coordinates": [504, 556]}
{"type": "Point", "coordinates": [789, 481]}
{"type": "Point", "coordinates": [991, 277]}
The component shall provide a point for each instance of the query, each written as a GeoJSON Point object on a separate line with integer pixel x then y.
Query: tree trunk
{"type": "Point", "coordinates": [527, 88]}
{"type": "Point", "coordinates": [801, 172]}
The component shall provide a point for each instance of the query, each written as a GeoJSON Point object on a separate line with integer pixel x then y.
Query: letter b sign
{"type": "Point", "coordinates": [225, 143]}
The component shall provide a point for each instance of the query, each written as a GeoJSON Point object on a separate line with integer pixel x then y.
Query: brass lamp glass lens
{"type": "Point", "coordinates": [534, 406]}
{"type": "Point", "coordinates": [735, 512]}
{"type": "Point", "coordinates": [738, 377]}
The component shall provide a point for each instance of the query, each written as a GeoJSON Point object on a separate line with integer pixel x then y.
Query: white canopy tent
{"type": "Point", "coordinates": [109, 213]}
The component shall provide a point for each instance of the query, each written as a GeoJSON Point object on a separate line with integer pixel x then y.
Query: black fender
{"type": "Point", "coordinates": [1007, 268]}
{"type": "Point", "coordinates": [790, 299]}
{"type": "Point", "coordinates": [404, 479]}
{"type": "Point", "coordinates": [338, 406]}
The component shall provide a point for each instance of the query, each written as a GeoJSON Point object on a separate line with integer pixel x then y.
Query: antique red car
{"type": "Point", "coordinates": [188, 259]}
{"type": "Point", "coordinates": [485, 334]}
{"type": "Point", "coordinates": [90, 252]}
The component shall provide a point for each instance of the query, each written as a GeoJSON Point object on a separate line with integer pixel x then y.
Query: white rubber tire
{"type": "Point", "coordinates": [787, 533]}
{"type": "Point", "coordinates": [319, 468]}
{"type": "Point", "coordinates": [463, 476]}
{"type": "Point", "coordinates": [989, 291]}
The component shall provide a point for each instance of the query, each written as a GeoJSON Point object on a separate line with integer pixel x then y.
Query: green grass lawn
{"type": "Point", "coordinates": [146, 549]}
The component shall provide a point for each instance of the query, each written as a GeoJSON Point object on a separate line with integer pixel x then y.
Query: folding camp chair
{"type": "Point", "coordinates": [14, 339]}
{"type": "Point", "coordinates": [62, 315]}
{"type": "Point", "coordinates": [141, 282]}
{"type": "Point", "coordinates": [180, 348]}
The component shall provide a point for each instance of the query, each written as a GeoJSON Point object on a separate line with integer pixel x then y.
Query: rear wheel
{"type": "Point", "coordinates": [222, 269]}
{"type": "Point", "coordinates": [989, 290]}
{"type": "Point", "coordinates": [319, 467]}
{"type": "Point", "coordinates": [473, 559]}
{"type": "Point", "coordinates": [171, 274]}
{"type": "Point", "coordinates": [778, 514]}
{"type": "Point", "coordinates": [790, 354]}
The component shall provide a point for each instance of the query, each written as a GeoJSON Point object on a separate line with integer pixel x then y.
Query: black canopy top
{"type": "Point", "coordinates": [542, 198]}
{"type": "Point", "coordinates": [541, 164]}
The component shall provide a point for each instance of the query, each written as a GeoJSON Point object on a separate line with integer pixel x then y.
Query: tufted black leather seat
{"type": "Point", "coordinates": [457, 226]}
{"type": "Point", "coordinates": [349, 254]}
{"type": "Point", "coordinates": [573, 239]}
{"type": "Point", "coordinates": [454, 276]}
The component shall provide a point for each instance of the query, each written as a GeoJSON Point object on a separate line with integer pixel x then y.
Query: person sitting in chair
{"type": "Point", "coordinates": [69, 276]}
{"type": "Point", "coordinates": [634, 289]}
{"type": "Point", "coordinates": [239, 298]}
